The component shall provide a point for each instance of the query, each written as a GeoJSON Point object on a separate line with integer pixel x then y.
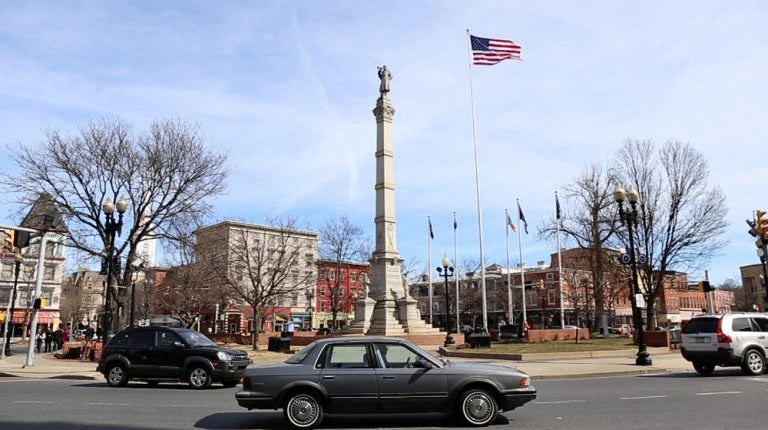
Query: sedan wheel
{"type": "Point", "coordinates": [303, 411]}
{"type": "Point", "coordinates": [199, 377]}
{"type": "Point", "coordinates": [116, 376]}
{"type": "Point", "coordinates": [754, 363]}
{"type": "Point", "coordinates": [477, 407]}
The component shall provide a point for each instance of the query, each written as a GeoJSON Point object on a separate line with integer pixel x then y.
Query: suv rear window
{"type": "Point", "coordinates": [701, 325]}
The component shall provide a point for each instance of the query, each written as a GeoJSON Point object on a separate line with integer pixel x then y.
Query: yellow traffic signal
{"type": "Point", "coordinates": [8, 239]}
{"type": "Point", "coordinates": [761, 224]}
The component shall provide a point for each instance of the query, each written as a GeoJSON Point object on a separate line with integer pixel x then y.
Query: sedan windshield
{"type": "Point", "coordinates": [196, 339]}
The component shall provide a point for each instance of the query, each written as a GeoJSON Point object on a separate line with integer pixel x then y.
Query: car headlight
{"type": "Point", "coordinates": [223, 356]}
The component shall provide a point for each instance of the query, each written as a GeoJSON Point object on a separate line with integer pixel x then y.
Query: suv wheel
{"type": "Point", "coordinates": [199, 377]}
{"type": "Point", "coordinates": [116, 376]}
{"type": "Point", "coordinates": [704, 369]}
{"type": "Point", "coordinates": [754, 363]}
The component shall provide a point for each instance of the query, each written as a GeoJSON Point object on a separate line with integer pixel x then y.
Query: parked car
{"type": "Point", "coordinates": [377, 374]}
{"type": "Point", "coordinates": [732, 339]}
{"type": "Point", "coordinates": [622, 329]}
{"type": "Point", "coordinates": [156, 354]}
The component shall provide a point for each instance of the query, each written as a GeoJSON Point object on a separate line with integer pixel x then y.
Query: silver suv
{"type": "Point", "coordinates": [732, 339]}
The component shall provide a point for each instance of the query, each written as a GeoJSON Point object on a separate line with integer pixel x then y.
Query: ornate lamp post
{"type": "Point", "coordinates": [447, 271]}
{"type": "Point", "coordinates": [111, 266]}
{"type": "Point", "coordinates": [629, 219]}
{"type": "Point", "coordinates": [17, 260]}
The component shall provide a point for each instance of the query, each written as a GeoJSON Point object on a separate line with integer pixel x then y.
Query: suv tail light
{"type": "Point", "coordinates": [246, 383]}
{"type": "Point", "coordinates": [721, 337]}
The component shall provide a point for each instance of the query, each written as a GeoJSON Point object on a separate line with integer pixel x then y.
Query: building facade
{"type": "Point", "coordinates": [274, 266]}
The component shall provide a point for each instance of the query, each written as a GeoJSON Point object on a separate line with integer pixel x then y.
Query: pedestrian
{"type": "Point", "coordinates": [48, 340]}
{"type": "Point", "coordinates": [39, 341]}
{"type": "Point", "coordinates": [57, 339]}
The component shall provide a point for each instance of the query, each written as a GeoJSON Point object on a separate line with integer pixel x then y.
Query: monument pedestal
{"type": "Point", "coordinates": [363, 313]}
{"type": "Point", "coordinates": [410, 317]}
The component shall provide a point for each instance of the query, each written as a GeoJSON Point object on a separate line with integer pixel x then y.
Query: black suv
{"type": "Point", "coordinates": [155, 354]}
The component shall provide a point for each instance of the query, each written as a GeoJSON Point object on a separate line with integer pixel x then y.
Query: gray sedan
{"type": "Point", "coordinates": [379, 375]}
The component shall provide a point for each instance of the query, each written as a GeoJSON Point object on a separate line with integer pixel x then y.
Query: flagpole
{"type": "Point", "coordinates": [477, 188]}
{"type": "Point", "coordinates": [429, 266]}
{"type": "Point", "coordinates": [559, 266]}
{"type": "Point", "coordinates": [456, 265]}
{"type": "Point", "coordinates": [510, 309]}
{"type": "Point", "coordinates": [522, 266]}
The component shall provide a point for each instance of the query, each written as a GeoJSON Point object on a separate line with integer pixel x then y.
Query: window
{"type": "Point", "coordinates": [741, 324]}
{"type": "Point", "coordinates": [352, 356]}
{"type": "Point", "coordinates": [353, 276]}
{"type": "Point", "coordinates": [762, 323]}
{"type": "Point", "coordinates": [332, 275]}
{"type": "Point", "coordinates": [166, 338]}
{"type": "Point", "coordinates": [550, 297]}
{"type": "Point", "coordinates": [393, 356]}
{"type": "Point", "coordinates": [8, 271]}
{"type": "Point", "coordinates": [322, 275]}
{"type": "Point", "coordinates": [50, 273]}
{"type": "Point", "coordinates": [341, 276]}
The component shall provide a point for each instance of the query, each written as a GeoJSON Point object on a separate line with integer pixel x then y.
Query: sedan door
{"type": "Point", "coordinates": [348, 376]}
{"type": "Point", "coordinates": [403, 387]}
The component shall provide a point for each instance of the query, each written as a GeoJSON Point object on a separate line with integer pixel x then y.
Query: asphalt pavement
{"type": "Point", "coordinates": [538, 366]}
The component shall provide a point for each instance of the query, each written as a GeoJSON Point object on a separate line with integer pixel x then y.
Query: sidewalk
{"type": "Point", "coordinates": [538, 366]}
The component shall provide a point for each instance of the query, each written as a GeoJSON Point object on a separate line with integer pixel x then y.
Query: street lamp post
{"type": "Point", "coordinates": [447, 271]}
{"type": "Point", "coordinates": [17, 260]}
{"type": "Point", "coordinates": [136, 270]}
{"type": "Point", "coordinates": [629, 218]}
{"type": "Point", "coordinates": [112, 228]}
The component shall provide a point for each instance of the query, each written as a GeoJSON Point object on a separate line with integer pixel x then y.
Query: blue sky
{"type": "Point", "coordinates": [287, 89]}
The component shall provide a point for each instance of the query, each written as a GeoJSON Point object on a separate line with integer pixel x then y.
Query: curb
{"type": "Point", "coordinates": [545, 356]}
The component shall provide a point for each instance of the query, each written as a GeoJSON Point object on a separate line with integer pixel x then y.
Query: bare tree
{"type": "Point", "coordinates": [166, 174]}
{"type": "Point", "coordinates": [262, 267]}
{"type": "Point", "coordinates": [341, 243]}
{"type": "Point", "coordinates": [589, 219]}
{"type": "Point", "coordinates": [681, 216]}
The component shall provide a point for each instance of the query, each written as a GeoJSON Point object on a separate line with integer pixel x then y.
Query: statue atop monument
{"type": "Point", "coordinates": [385, 75]}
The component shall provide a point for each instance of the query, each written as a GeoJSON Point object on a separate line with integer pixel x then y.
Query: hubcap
{"type": "Point", "coordinates": [477, 407]}
{"type": "Point", "coordinates": [303, 410]}
{"type": "Point", "coordinates": [755, 362]}
{"type": "Point", "coordinates": [198, 377]}
{"type": "Point", "coordinates": [116, 375]}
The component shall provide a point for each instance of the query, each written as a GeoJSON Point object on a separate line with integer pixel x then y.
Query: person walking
{"type": "Point", "coordinates": [57, 339]}
{"type": "Point", "coordinates": [39, 341]}
{"type": "Point", "coordinates": [48, 340]}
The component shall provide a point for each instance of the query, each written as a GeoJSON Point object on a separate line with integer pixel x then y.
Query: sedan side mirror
{"type": "Point", "coordinates": [422, 364]}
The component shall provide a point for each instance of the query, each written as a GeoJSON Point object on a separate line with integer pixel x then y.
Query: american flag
{"type": "Point", "coordinates": [487, 52]}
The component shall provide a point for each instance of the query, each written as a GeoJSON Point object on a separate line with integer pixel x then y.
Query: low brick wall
{"type": "Point", "coordinates": [539, 336]}
{"type": "Point", "coordinates": [303, 338]}
{"type": "Point", "coordinates": [655, 338]}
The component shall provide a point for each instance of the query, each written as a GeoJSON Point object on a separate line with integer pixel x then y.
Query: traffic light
{"type": "Point", "coordinates": [9, 238]}
{"type": "Point", "coordinates": [761, 224]}
{"type": "Point", "coordinates": [21, 239]}
{"type": "Point", "coordinates": [704, 286]}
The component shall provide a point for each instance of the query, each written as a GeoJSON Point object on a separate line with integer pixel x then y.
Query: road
{"type": "Point", "coordinates": [663, 401]}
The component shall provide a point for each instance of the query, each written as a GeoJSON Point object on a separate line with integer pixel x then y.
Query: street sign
{"type": "Point", "coordinates": [640, 300]}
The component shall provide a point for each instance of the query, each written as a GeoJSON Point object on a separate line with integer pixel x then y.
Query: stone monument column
{"type": "Point", "coordinates": [393, 312]}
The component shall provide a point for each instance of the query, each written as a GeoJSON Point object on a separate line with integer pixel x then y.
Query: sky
{"type": "Point", "coordinates": [286, 88]}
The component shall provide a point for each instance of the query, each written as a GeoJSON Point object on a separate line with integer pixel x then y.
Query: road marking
{"type": "Point", "coordinates": [757, 379]}
{"type": "Point", "coordinates": [715, 393]}
{"type": "Point", "coordinates": [642, 397]}
{"type": "Point", "coordinates": [110, 404]}
{"type": "Point", "coordinates": [561, 401]}
{"type": "Point", "coordinates": [40, 402]}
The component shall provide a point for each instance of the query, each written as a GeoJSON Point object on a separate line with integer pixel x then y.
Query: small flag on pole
{"type": "Point", "coordinates": [431, 234]}
{"type": "Point", "coordinates": [454, 222]}
{"type": "Point", "coordinates": [522, 217]}
{"type": "Point", "coordinates": [487, 52]}
{"type": "Point", "coordinates": [509, 223]}
{"type": "Point", "coordinates": [557, 206]}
